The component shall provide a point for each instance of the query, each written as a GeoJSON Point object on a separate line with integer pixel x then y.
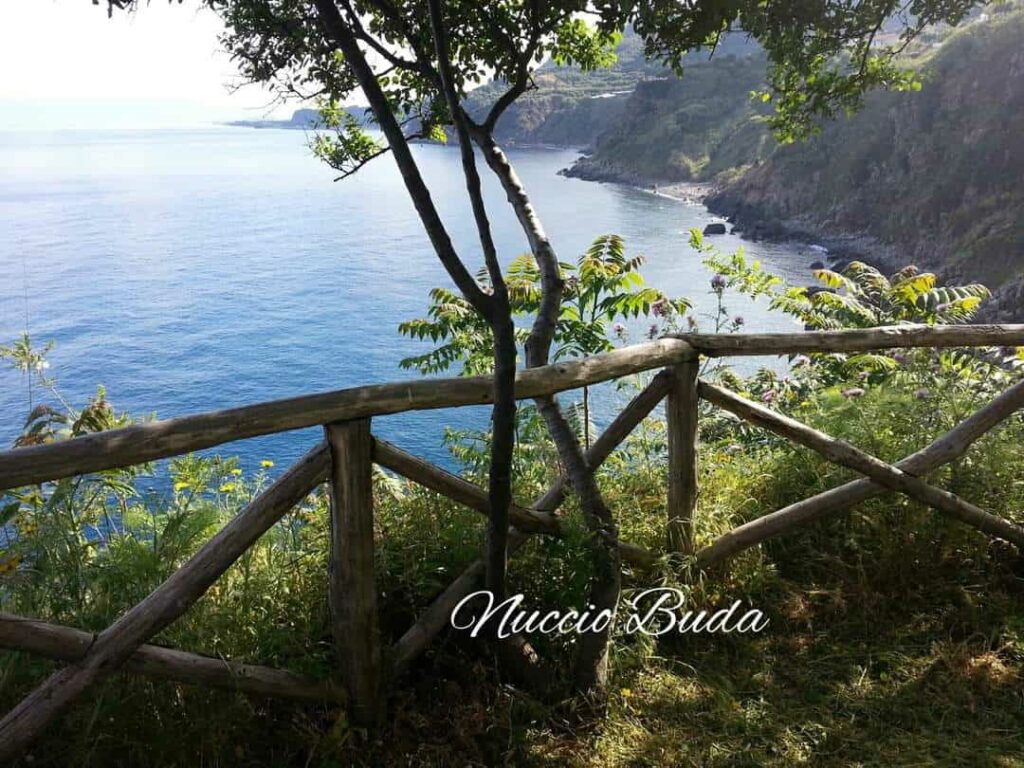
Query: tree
{"type": "Point", "coordinates": [414, 62]}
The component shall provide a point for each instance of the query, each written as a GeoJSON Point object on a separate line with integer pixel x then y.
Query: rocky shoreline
{"type": "Point", "coordinates": [840, 248]}
{"type": "Point", "coordinates": [687, 191]}
{"type": "Point", "coordinates": [744, 218]}
{"type": "Point", "coordinates": [755, 223]}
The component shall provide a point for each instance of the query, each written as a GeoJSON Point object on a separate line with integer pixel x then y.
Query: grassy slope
{"type": "Point", "coordinates": [895, 638]}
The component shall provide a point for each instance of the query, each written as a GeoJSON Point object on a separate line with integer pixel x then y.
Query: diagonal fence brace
{"type": "Point", "coordinates": [115, 645]}
{"type": "Point", "coordinates": [847, 455]}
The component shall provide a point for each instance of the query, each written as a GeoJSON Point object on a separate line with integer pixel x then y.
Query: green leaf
{"type": "Point", "coordinates": [8, 512]}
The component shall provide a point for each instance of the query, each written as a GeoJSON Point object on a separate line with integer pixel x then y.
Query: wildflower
{"type": "Point", "coordinates": [653, 331]}
{"type": "Point", "coordinates": [236, 472]}
{"type": "Point", "coordinates": [660, 308]}
{"type": "Point", "coordinates": [266, 463]}
{"type": "Point", "coordinates": [10, 565]}
{"type": "Point", "coordinates": [620, 330]}
{"type": "Point", "coordinates": [180, 486]}
{"type": "Point", "coordinates": [227, 488]}
{"type": "Point", "coordinates": [852, 392]}
{"type": "Point", "coordinates": [769, 396]}
{"type": "Point", "coordinates": [923, 393]}
{"type": "Point", "coordinates": [738, 320]}
{"type": "Point", "coordinates": [900, 358]}
{"type": "Point", "coordinates": [864, 375]}
{"type": "Point", "coordinates": [626, 693]}
{"type": "Point", "coordinates": [718, 283]}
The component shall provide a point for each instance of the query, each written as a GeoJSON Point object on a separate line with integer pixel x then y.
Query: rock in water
{"type": "Point", "coordinates": [717, 228]}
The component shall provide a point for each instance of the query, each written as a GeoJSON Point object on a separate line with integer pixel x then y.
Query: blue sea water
{"type": "Point", "coordinates": [190, 270]}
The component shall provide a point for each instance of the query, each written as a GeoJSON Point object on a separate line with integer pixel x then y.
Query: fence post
{"type": "Point", "coordinates": [352, 589]}
{"type": "Point", "coordinates": [681, 423]}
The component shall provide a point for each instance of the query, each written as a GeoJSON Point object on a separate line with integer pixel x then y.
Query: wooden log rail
{"type": "Point", "coordinates": [161, 439]}
{"type": "Point", "coordinates": [344, 460]}
{"type": "Point", "coordinates": [67, 644]}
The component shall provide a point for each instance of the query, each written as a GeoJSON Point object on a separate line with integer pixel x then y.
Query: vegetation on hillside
{"type": "Point", "coordinates": [691, 128]}
{"type": "Point", "coordinates": [573, 107]}
{"type": "Point", "coordinates": [896, 636]}
{"type": "Point", "coordinates": [935, 175]}
{"type": "Point", "coordinates": [931, 175]}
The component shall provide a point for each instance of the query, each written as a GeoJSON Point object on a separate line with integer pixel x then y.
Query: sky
{"type": "Point", "coordinates": [65, 65]}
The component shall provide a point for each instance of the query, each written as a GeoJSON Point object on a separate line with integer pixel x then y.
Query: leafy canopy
{"type": "Point", "coordinates": [603, 286]}
{"type": "Point", "coordinates": [823, 54]}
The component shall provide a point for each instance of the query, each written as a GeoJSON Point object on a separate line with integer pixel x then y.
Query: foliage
{"type": "Point", "coordinates": [348, 147]}
{"type": "Point", "coordinates": [811, 75]}
{"type": "Point", "coordinates": [894, 614]}
{"type": "Point", "coordinates": [602, 287]}
{"type": "Point", "coordinates": [893, 611]}
{"type": "Point", "coordinates": [859, 296]}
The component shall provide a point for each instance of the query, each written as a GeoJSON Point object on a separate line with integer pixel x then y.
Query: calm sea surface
{"type": "Point", "coordinates": [193, 270]}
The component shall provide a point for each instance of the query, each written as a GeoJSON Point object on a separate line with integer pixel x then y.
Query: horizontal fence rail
{"type": "Point", "coordinates": [68, 644]}
{"type": "Point", "coordinates": [344, 461]}
{"type": "Point", "coordinates": [161, 439]}
{"type": "Point", "coordinates": [852, 340]}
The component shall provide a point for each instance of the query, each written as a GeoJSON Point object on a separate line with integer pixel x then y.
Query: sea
{"type": "Point", "coordinates": [191, 270]}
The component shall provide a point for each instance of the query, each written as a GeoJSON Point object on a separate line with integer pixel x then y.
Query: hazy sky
{"type": "Point", "coordinates": [64, 64]}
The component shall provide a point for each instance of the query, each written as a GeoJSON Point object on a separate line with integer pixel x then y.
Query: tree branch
{"type": "Point", "coordinates": [538, 345]}
{"type": "Point", "coordinates": [341, 34]}
{"type": "Point", "coordinates": [592, 662]}
{"type": "Point", "coordinates": [503, 412]}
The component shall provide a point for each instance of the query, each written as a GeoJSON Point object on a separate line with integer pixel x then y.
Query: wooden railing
{"type": "Point", "coordinates": [344, 460]}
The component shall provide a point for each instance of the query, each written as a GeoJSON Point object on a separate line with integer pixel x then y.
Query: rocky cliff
{"type": "Point", "coordinates": [934, 177]}
{"type": "Point", "coordinates": [691, 128]}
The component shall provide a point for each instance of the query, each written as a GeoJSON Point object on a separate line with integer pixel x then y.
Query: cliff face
{"type": "Point", "coordinates": [569, 107]}
{"type": "Point", "coordinates": [685, 129]}
{"type": "Point", "coordinates": [934, 178]}
{"type": "Point", "coordinates": [558, 117]}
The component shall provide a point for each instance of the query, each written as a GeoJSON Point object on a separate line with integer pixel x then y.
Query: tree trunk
{"type": "Point", "coordinates": [592, 662]}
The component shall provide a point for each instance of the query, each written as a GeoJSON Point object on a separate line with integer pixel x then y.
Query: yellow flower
{"type": "Point", "coordinates": [236, 472]}
{"type": "Point", "coordinates": [227, 488]}
{"type": "Point", "coordinates": [266, 463]}
{"type": "Point", "coordinates": [180, 486]}
{"type": "Point", "coordinates": [626, 693]}
{"type": "Point", "coordinates": [10, 564]}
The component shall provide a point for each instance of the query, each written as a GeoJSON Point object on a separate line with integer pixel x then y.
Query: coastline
{"type": "Point", "coordinates": [690, 192]}
{"type": "Point", "coordinates": [836, 248]}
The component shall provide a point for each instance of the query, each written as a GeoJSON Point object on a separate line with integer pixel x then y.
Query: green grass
{"type": "Point", "coordinates": [896, 638]}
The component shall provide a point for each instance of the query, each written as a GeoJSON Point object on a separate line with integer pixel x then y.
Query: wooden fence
{"type": "Point", "coordinates": [344, 461]}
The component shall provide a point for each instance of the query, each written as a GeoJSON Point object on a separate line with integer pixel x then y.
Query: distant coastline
{"type": "Point", "coordinates": [301, 119]}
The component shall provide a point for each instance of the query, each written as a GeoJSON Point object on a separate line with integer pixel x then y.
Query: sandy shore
{"type": "Point", "coordinates": [687, 191]}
